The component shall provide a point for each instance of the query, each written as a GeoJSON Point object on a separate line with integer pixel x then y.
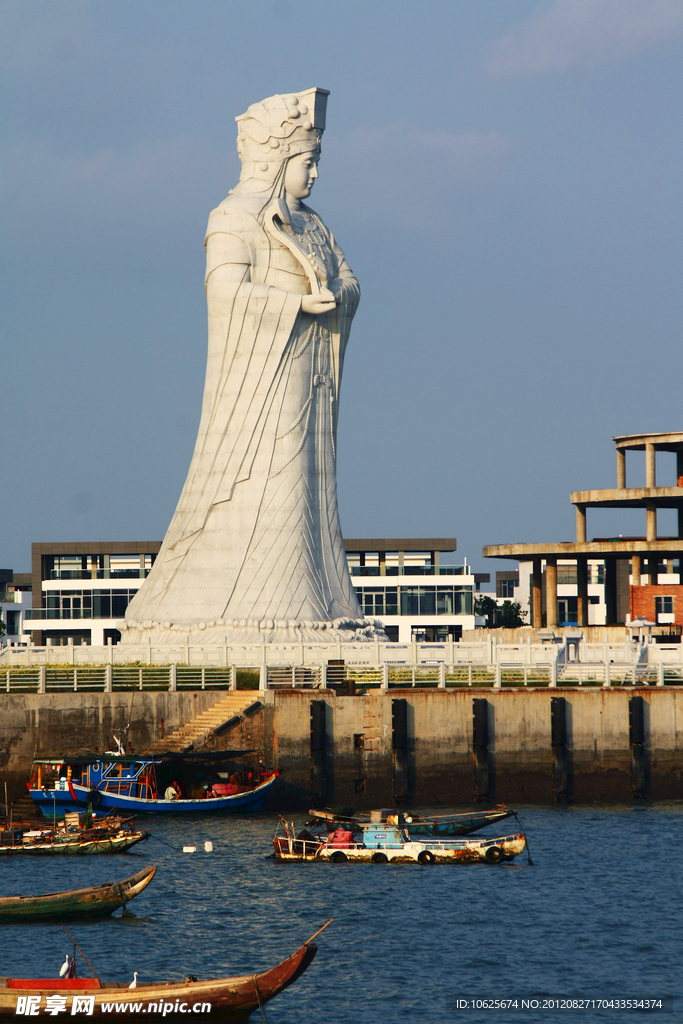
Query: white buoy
{"type": "Point", "coordinates": [208, 846]}
{"type": "Point", "coordinates": [189, 849]}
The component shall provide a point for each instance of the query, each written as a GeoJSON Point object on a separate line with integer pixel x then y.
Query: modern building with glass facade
{"type": "Point", "coordinates": [404, 582]}
{"type": "Point", "coordinates": [80, 590]}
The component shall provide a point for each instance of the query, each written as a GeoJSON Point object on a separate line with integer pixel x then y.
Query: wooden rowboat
{"type": "Point", "coordinates": [432, 825]}
{"type": "Point", "coordinates": [214, 998]}
{"type": "Point", "coordinates": [98, 899]}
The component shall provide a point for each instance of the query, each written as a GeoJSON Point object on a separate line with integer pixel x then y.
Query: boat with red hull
{"type": "Point", "coordinates": [217, 999]}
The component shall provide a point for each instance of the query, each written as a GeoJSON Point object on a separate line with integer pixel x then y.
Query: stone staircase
{"type": "Point", "coordinates": [204, 725]}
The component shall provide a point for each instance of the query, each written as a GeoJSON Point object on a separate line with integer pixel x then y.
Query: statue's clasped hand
{"type": "Point", "coordinates": [323, 302]}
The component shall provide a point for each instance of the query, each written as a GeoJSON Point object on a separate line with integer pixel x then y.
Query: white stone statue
{"type": "Point", "coordinates": [255, 550]}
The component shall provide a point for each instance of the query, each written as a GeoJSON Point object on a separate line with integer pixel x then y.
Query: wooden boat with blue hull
{"type": "Point", "coordinates": [95, 901]}
{"type": "Point", "coordinates": [428, 825]}
{"type": "Point", "coordinates": [138, 783]}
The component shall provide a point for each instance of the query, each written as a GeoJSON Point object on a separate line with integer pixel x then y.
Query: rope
{"type": "Point", "coordinates": [170, 846]}
{"type": "Point", "coordinates": [528, 851]}
{"type": "Point", "coordinates": [264, 1018]}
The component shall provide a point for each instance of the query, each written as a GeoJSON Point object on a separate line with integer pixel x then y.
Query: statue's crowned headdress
{"type": "Point", "coordinates": [277, 128]}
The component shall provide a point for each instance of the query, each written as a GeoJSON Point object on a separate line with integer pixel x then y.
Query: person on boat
{"type": "Point", "coordinates": [176, 791]}
{"type": "Point", "coordinates": [209, 791]}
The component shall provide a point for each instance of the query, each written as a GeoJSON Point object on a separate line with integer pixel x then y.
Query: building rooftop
{"type": "Point", "coordinates": [401, 544]}
{"type": "Point", "coordinates": [660, 442]}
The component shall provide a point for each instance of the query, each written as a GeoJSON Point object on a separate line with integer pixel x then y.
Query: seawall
{"type": "Point", "coordinates": [410, 746]}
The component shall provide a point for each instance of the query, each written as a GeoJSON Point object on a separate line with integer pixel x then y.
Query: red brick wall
{"type": "Point", "coordinates": [643, 601]}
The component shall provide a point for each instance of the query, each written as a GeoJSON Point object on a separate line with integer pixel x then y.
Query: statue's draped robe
{"type": "Point", "coordinates": [255, 538]}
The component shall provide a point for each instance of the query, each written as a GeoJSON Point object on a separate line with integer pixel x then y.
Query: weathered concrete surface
{"type": "Point", "coordinates": [71, 723]}
{"type": "Point", "coordinates": [350, 751]}
{"type": "Point", "coordinates": [440, 759]}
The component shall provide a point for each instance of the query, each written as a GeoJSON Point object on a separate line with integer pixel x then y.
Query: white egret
{"type": "Point", "coordinates": [134, 982]}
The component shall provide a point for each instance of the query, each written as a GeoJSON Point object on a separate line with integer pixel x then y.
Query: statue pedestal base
{"type": "Point", "coordinates": [240, 632]}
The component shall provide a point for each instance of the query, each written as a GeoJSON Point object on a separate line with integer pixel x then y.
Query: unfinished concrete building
{"type": "Point", "coordinates": [642, 575]}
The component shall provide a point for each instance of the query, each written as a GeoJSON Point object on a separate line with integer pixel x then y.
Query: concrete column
{"type": "Point", "coordinates": [651, 512]}
{"type": "Point", "coordinates": [173, 677]}
{"type": "Point", "coordinates": [582, 590]}
{"type": "Point", "coordinates": [650, 466]}
{"type": "Point", "coordinates": [442, 676]}
{"type": "Point", "coordinates": [382, 563]}
{"type": "Point", "coordinates": [551, 592]}
{"type": "Point", "coordinates": [42, 676]}
{"type": "Point", "coordinates": [536, 596]}
{"type": "Point", "coordinates": [385, 676]}
{"type": "Point", "coordinates": [635, 570]}
{"type": "Point", "coordinates": [580, 524]}
{"type": "Point", "coordinates": [108, 678]}
{"type": "Point", "coordinates": [621, 468]}
{"type": "Point", "coordinates": [233, 677]}
{"type": "Point", "coordinates": [652, 567]}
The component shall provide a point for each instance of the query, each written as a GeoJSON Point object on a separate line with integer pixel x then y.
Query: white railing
{"type": "Point", "coordinates": [49, 678]}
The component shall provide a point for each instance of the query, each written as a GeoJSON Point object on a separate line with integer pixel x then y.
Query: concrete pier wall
{"type": "Point", "coordinates": [407, 746]}
{"type": "Point", "coordinates": [441, 763]}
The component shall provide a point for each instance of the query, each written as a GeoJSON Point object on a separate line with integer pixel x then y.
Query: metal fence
{"type": "Point", "coordinates": [501, 675]}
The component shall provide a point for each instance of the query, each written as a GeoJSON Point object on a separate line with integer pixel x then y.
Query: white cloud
{"type": "Point", "coordinates": [584, 34]}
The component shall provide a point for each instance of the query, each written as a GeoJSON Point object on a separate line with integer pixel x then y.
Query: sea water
{"type": "Point", "coordinates": [597, 916]}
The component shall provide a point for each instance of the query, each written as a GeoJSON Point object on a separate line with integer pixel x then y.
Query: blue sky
{"type": "Point", "coordinates": [504, 177]}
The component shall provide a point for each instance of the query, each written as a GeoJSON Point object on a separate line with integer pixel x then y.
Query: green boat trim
{"type": "Point", "coordinates": [96, 900]}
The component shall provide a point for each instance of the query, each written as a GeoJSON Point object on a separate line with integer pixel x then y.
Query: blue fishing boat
{"type": "Point", "coordinates": [139, 783]}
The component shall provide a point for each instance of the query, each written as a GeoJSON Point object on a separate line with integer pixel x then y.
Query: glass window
{"type": "Point", "coordinates": [427, 600]}
{"type": "Point", "coordinates": [410, 600]}
{"type": "Point", "coordinates": [101, 604]}
{"type": "Point", "coordinates": [664, 605]}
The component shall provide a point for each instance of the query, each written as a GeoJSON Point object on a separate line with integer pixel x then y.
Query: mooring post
{"type": "Point", "coordinates": [480, 752]}
{"type": "Point", "coordinates": [562, 781]}
{"type": "Point", "coordinates": [399, 745]}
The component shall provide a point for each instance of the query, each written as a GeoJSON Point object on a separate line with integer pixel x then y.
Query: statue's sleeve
{"type": "Point", "coordinates": [343, 315]}
{"type": "Point", "coordinates": [250, 324]}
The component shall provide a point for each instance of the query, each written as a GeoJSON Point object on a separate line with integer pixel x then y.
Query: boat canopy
{"type": "Point", "coordinates": [81, 760]}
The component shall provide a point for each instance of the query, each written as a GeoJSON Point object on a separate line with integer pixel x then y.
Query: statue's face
{"type": "Point", "coordinates": [300, 174]}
